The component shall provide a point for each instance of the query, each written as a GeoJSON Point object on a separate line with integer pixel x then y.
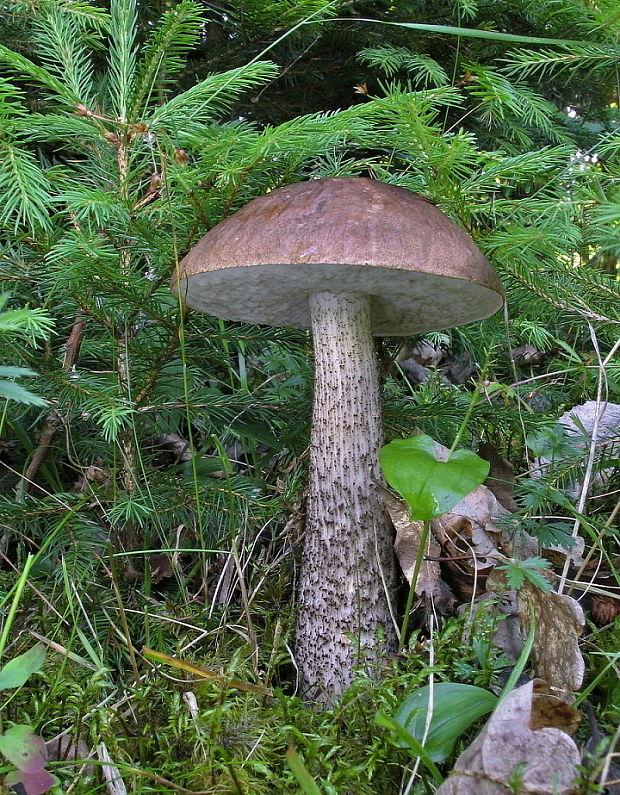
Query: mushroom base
{"type": "Point", "coordinates": [348, 565]}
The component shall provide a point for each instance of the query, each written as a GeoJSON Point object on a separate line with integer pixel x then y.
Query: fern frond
{"type": "Point", "coordinates": [59, 40]}
{"type": "Point", "coordinates": [78, 131]}
{"type": "Point", "coordinates": [85, 14]}
{"type": "Point", "coordinates": [422, 69]}
{"type": "Point", "coordinates": [23, 187]}
{"type": "Point", "coordinates": [122, 55]}
{"type": "Point", "coordinates": [502, 100]}
{"type": "Point", "coordinates": [210, 98]}
{"type": "Point", "coordinates": [163, 57]}
{"type": "Point", "coordinates": [544, 62]}
{"type": "Point", "coordinates": [36, 74]}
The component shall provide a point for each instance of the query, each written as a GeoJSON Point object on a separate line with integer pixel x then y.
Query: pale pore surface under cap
{"type": "Point", "coordinates": [402, 302]}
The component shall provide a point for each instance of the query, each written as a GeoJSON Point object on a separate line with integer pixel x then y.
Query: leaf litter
{"type": "Point", "coordinates": [527, 739]}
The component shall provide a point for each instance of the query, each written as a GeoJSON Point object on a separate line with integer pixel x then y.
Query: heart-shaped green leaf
{"type": "Point", "coordinates": [455, 707]}
{"type": "Point", "coordinates": [430, 487]}
{"type": "Point", "coordinates": [16, 671]}
{"type": "Point", "coordinates": [23, 749]}
{"type": "Point", "coordinates": [31, 783]}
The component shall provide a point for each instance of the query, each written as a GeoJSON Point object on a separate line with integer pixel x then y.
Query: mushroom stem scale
{"type": "Point", "coordinates": [348, 566]}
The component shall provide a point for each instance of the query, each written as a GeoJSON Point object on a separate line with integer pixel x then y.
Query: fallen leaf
{"type": "Point", "coordinates": [501, 480]}
{"type": "Point", "coordinates": [418, 374]}
{"type": "Point", "coordinates": [23, 749]}
{"type": "Point", "coordinates": [550, 710]}
{"type": "Point", "coordinates": [604, 610]}
{"type": "Point", "coordinates": [31, 783]}
{"type": "Point", "coordinates": [574, 434]}
{"type": "Point", "coordinates": [528, 354]}
{"type": "Point", "coordinates": [406, 546]}
{"type": "Point", "coordinates": [559, 622]}
{"type": "Point", "coordinates": [556, 554]}
{"type": "Point", "coordinates": [66, 748]}
{"type": "Point", "coordinates": [459, 368]}
{"type": "Point", "coordinates": [427, 353]}
{"type": "Point", "coordinates": [508, 636]}
{"type": "Point", "coordinates": [178, 446]}
{"type": "Point", "coordinates": [469, 550]}
{"type": "Point", "coordinates": [543, 760]}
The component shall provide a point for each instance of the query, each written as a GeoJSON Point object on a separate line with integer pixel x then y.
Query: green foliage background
{"type": "Point", "coordinates": [130, 129]}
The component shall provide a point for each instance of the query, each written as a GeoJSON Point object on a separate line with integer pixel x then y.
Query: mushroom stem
{"type": "Point", "coordinates": [348, 566]}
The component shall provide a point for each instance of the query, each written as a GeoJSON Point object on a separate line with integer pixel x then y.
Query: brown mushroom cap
{"type": "Point", "coordinates": [352, 235]}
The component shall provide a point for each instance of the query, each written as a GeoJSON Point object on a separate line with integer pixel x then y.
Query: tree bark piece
{"type": "Point", "coordinates": [348, 562]}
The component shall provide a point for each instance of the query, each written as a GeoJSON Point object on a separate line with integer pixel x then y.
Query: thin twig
{"type": "Point", "coordinates": [585, 488]}
{"type": "Point", "coordinates": [53, 421]}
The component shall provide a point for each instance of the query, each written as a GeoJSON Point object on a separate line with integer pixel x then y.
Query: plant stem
{"type": "Point", "coordinates": [470, 410]}
{"type": "Point", "coordinates": [19, 589]}
{"type": "Point", "coordinates": [414, 581]}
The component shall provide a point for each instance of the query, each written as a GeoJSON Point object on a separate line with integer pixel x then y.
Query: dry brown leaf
{"type": "Point", "coordinates": [177, 445]}
{"type": "Point", "coordinates": [528, 354]}
{"type": "Point", "coordinates": [557, 554]}
{"type": "Point", "coordinates": [65, 747]}
{"type": "Point", "coordinates": [483, 509]}
{"type": "Point", "coordinates": [559, 622]}
{"type": "Point", "coordinates": [501, 480]}
{"type": "Point", "coordinates": [469, 535]}
{"type": "Point", "coordinates": [550, 710]}
{"type": "Point", "coordinates": [507, 636]}
{"type": "Point", "coordinates": [92, 477]}
{"type": "Point", "coordinates": [544, 759]}
{"type": "Point", "coordinates": [471, 539]}
{"type": "Point", "coordinates": [604, 610]}
{"type": "Point", "coordinates": [406, 546]}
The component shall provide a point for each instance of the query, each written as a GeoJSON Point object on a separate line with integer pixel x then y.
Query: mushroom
{"type": "Point", "coordinates": [349, 258]}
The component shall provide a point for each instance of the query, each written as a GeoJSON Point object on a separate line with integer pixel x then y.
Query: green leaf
{"type": "Point", "coordinates": [551, 534]}
{"type": "Point", "coordinates": [19, 394]}
{"type": "Point", "coordinates": [408, 740]}
{"type": "Point", "coordinates": [16, 671]}
{"type": "Point", "coordinates": [429, 486]}
{"type": "Point", "coordinates": [471, 33]}
{"type": "Point", "coordinates": [23, 749]}
{"type": "Point", "coordinates": [455, 707]}
{"type": "Point", "coordinates": [15, 372]}
{"type": "Point", "coordinates": [549, 442]}
{"type": "Point", "coordinates": [300, 771]}
{"type": "Point", "coordinates": [518, 571]}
